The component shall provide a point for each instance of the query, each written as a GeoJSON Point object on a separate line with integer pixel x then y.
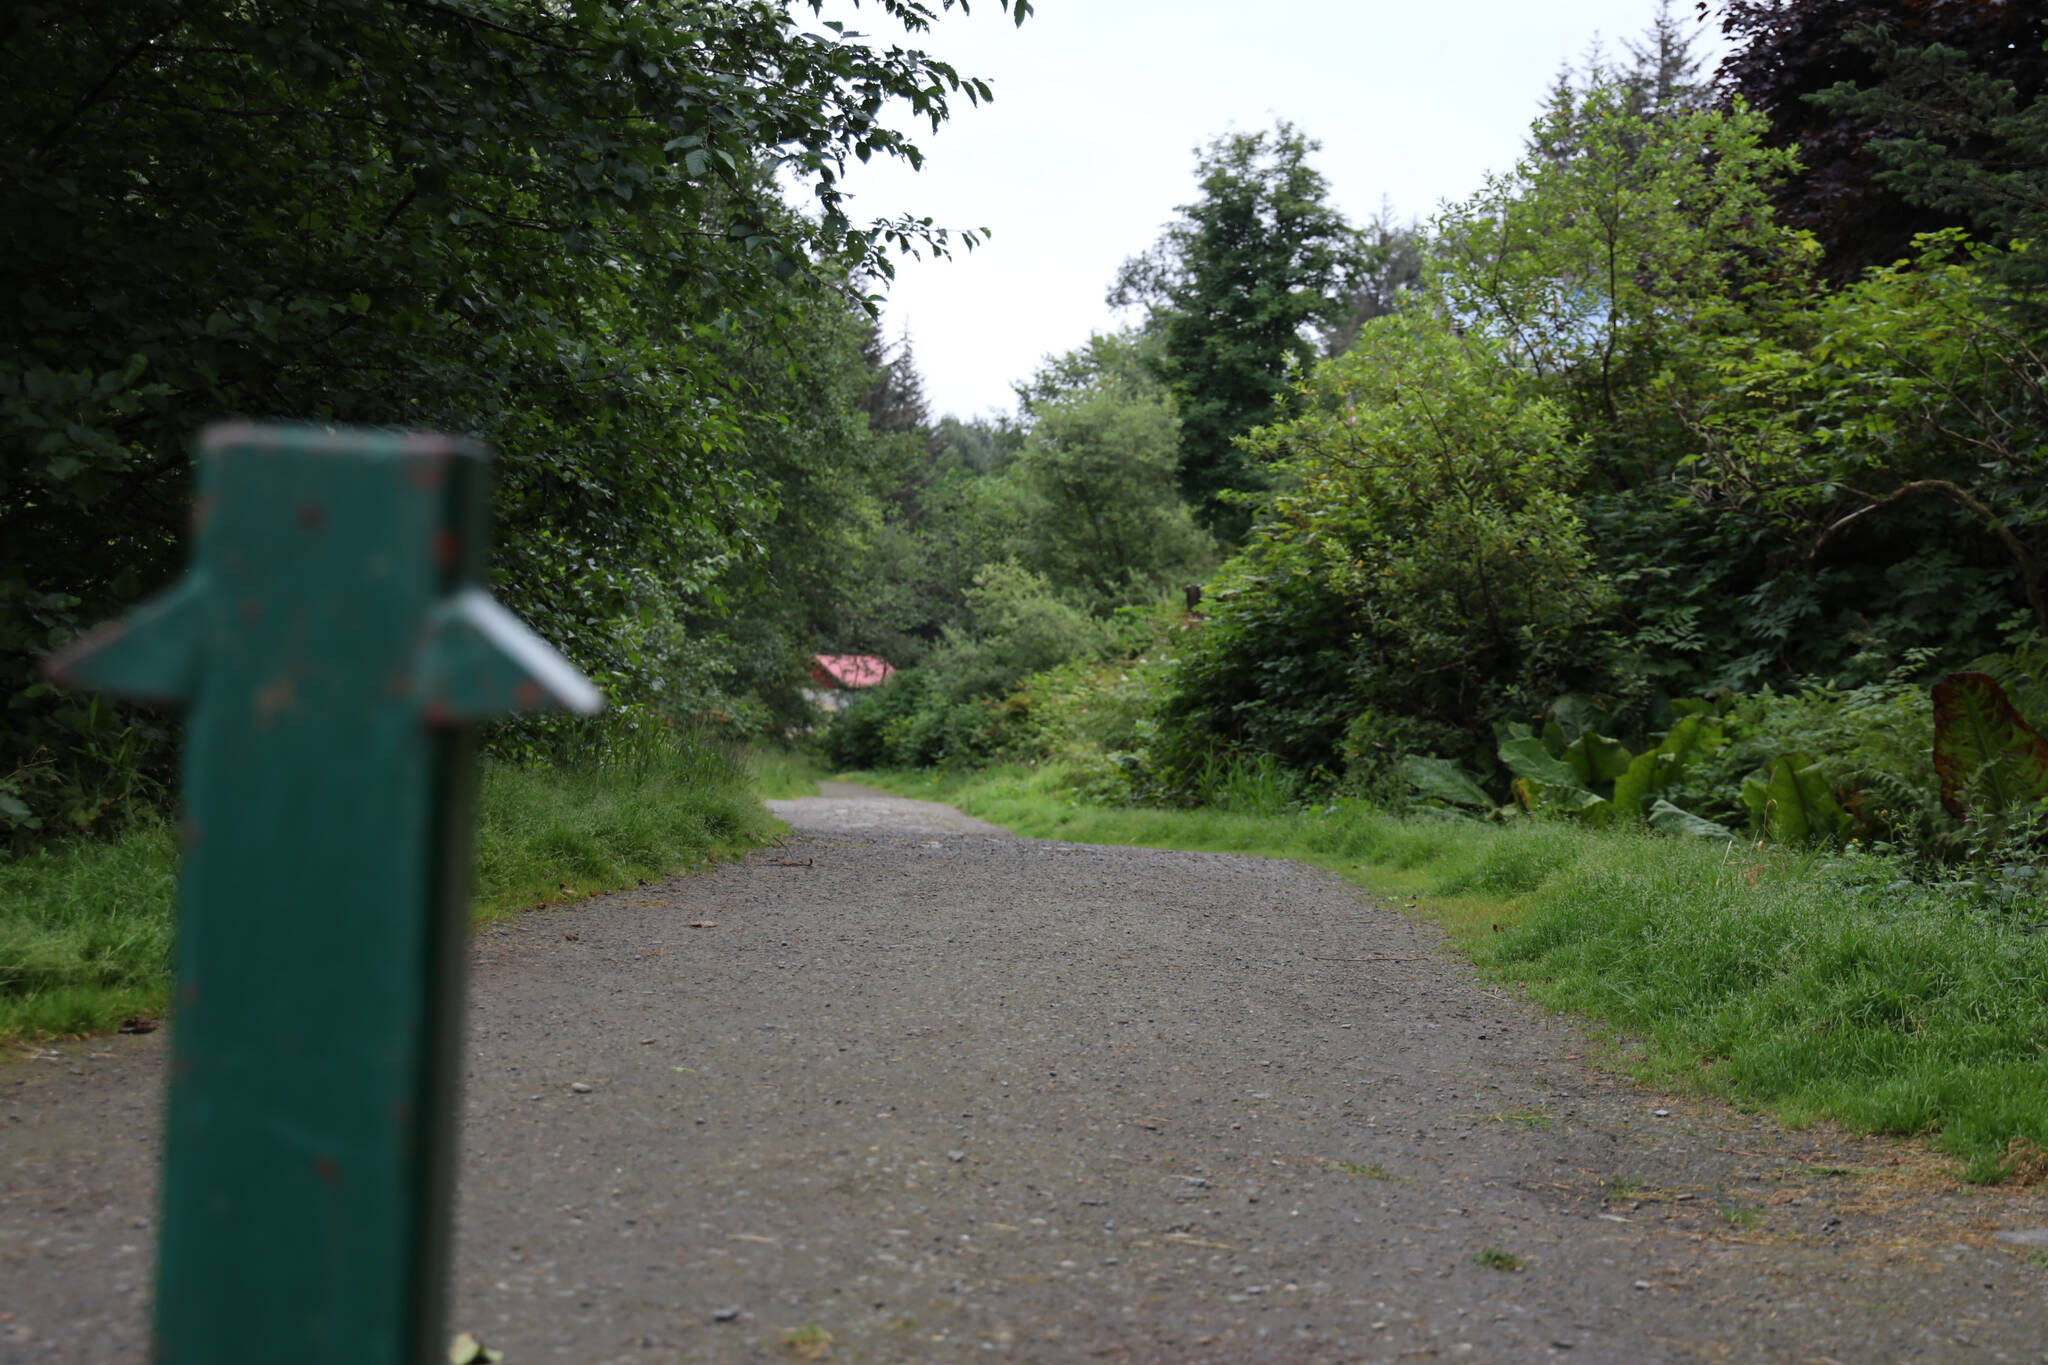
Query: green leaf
{"type": "Point", "coordinates": [1982, 746]}
{"type": "Point", "coordinates": [1527, 758]}
{"type": "Point", "coordinates": [467, 1350]}
{"type": "Point", "coordinates": [1578, 714]}
{"type": "Point", "coordinates": [1692, 733]}
{"type": "Point", "coordinates": [1646, 773]}
{"type": "Point", "coordinates": [1551, 798]}
{"type": "Point", "coordinates": [1793, 802]}
{"type": "Point", "coordinates": [1756, 797]}
{"type": "Point", "coordinates": [1666, 818]}
{"type": "Point", "coordinates": [1600, 812]}
{"type": "Point", "coordinates": [1442, 780]}
{"type": "Point", "coordinates": [1597, 759]}
{"type": "Point", "coordinates": [1548, 784]}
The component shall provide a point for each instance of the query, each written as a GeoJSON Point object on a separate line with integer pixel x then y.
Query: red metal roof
{"type": "Point", "coordinates": [850, 670]}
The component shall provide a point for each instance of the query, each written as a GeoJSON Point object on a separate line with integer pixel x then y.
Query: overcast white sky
{"type": "Point", "coordinates": [1089, 145]}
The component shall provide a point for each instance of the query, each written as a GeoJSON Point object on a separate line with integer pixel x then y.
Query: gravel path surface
{"type": "Point", "coordinates": [945, 1095]}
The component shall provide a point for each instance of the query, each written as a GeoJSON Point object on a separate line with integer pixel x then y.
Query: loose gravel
{"type": "Point", "coordinates": [923, 1092]}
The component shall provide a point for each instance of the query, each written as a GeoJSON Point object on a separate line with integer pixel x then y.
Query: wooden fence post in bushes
{"type": "Point", "coordinates": [333, 647]}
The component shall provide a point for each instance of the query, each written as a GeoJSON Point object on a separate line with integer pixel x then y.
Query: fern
{"type": "Point", "coordinates": [1893, 808]}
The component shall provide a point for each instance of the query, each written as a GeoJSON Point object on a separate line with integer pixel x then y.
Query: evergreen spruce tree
{"type": "Point", "coordinates": [1232, 290]}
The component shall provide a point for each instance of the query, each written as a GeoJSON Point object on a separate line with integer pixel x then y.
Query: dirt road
{"type": "Point", "coordinates": [924, 1092]}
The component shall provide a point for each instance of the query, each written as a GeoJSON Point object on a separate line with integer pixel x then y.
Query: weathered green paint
{"type": "Point", "coordinates": [331, 645]}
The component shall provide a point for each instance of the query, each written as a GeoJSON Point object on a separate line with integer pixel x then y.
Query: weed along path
{"type": "Point", "coordinates": [909, 1089]}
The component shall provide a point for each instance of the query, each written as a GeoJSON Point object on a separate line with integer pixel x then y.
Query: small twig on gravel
{"type": "Point", "coordinates": [1375, 958]}
{"type": "Point", "coordinates": [787, 862]}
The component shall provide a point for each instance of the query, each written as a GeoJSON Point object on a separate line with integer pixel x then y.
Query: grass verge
{"type": "Point", "coordinates": [782, 774]}
{"type": "Point", "coordinates": [85, 933]}
{"type": "Point", "coordinates": [1808, 986]}
{"type": "Point", "coordinates": [547, 835]}
{"type": "Point", "coordinates": [86, 929]}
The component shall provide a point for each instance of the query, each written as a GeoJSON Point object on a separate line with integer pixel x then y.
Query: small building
{"type": "Point", "coordinates": [834, 677]}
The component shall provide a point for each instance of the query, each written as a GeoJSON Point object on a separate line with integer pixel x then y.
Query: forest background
{"type": "Point", "coordinates": [1688, 472]}
{"type": "Point", "coordinates": [1687, 477]}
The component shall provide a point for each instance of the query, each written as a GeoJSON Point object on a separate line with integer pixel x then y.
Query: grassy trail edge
{"type": "Point", "coordinates": [86, 929]}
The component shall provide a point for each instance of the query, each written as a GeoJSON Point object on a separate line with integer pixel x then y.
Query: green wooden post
{"type": "Point", "coordinates": [332, 645]}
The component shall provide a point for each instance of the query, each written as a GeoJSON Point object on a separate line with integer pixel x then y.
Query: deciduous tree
{"type": "Point", "coordinates": [553, 225]}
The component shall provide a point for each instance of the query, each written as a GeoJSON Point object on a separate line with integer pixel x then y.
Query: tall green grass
{"type": "Point", "coordinates": [781, 772]}
{"type": "Point", "coordinates": [85, 932]}
{"type": "Point", "coordinates": [1806, 985]}
{"type": "Point", "coordinates": [86, 928]}
{"type": "Point", "coordinates": [549, 834]}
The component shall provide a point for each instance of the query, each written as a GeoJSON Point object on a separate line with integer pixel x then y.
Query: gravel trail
{"type": "Point", "coordinates": [921, 1091]}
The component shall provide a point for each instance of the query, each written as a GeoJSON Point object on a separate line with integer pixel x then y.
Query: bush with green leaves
{"type": "Point", "coordinates": [856, 736]}
{"type": "Point", "coordinates": [1095, 497]}
{"type": "Point", "coordinates": [1268, 668]}
{"type": "Point", "coordinates": [1624, 440]}
{"type": "Point", "coordinates": [950, 710]}
{"type": "Point", "coordinates": [1423, 558]}
{"type": "Point", "coordinates": [1910, 389]}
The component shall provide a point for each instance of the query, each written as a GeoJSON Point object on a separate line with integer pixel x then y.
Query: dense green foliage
{"type": "Point", "coordinates": [561, 228]}
{"type": "Point", "coordinates": [1435, 519]}
{"type": "Point", "coordinates": [1023, 546]}
{"type": "Point", "coordinates": [1625, 446]}
{"type": "Point", "coordinates": [1095, 494]}
{"type": "Point", "coordinates": [1617, 500]}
